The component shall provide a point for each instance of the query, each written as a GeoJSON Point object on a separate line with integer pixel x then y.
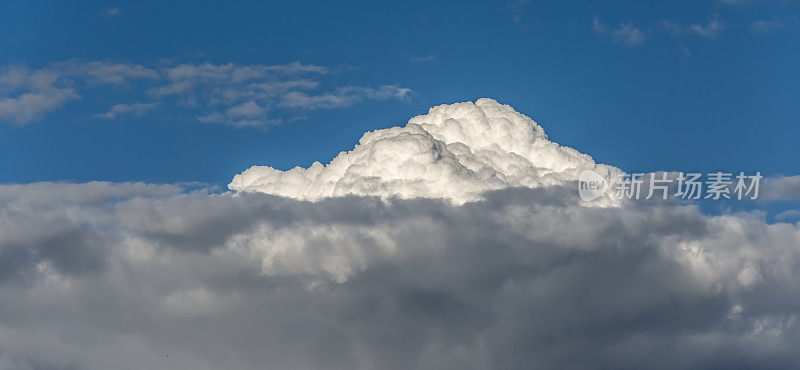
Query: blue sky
{"type": "Point", "coordinates": [644, 86]}
{"type": "Point", "coordinates": [464, 242]}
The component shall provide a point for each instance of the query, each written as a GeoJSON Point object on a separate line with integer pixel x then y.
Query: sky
{"type": "Point", "coordinates": [681, 85]}
{"type": "Point", "coordinates": [152, 215]}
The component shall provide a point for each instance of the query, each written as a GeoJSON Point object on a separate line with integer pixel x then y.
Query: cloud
{"type": "Point", "coordinates": [136, 109]}
{"type": "Point", "coordinates": [102, 72]}
{"type": "Point", "coordinates": [28, 107]}
{"type": "Point", "coordinates": [710, 30]}
{"type": "Point", "coordinates": [427, 58]}
{"type": "Point", "coordinates": [184, 77]}
{"type": "Point", "coordinates": [342, 97]}
{"type": "Point", "coordinates": [26, 96]}
{"type": "Point", "coordinates": [108, 13]}
{"type": "Point", "coordinates": [627, 34]}
{"type": "Point", "coordinates": [114, 73]}
{"type": "Point", "coordinates": [740, 2]}
{"type": "Point", "coordinates": [455, 152]}
{"type": "Point", "coordinates": [788, 215]}
{"type": "Point", "coordinates": [237, 95]}
{"type": "Point", "coordinates": [116, 275]}
{"type": "Point", "coordinates": [245, 114]}
{"type": "Point", "coordinates": [249, 95]}
{"type": "Point", "coordinates": [523, 276]}
{"type": "Point", "coordinates": [764, 27]}
{"type": "Point", "coordinates": [684, 49]}
{"type": "Point", "coordinates": [516, 7]}
{"type": "Point", "coordinates": [598, 26]}
{"type": "Point", "coordinates": [781, 188]}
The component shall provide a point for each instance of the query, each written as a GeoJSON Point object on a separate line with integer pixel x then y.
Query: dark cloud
{"type": "Point", "coordinates": [117, 275]}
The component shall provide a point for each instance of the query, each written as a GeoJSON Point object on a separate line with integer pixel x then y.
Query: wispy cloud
{"type": "Point", "coordinates": [516, 7]}
{"type": "Point", "coordinates": [781, 188]}
{"type": "Point", "coordinates": [738, 2]}
{"type": "Point", "coordinates": [232, 94]}
{"type": "Point", "coordinates": [223, 77]}
{"type": "Point", "coordinates": [598, 27]}
{"type": "Point", "coordinates": [788, 215]}
{"type": "Point", "coordinates": [108, 13]}
{"type": "Point", "coordinates": [107, 72]}
{"type": "Point", "coordinates": [764, 27]}
{"type": "Point", "coordinates": [247, 114]}
{"type": "Point", "coordinates": [684, 49]}
{"type": "Point", "coordinates": [709, 30]}
{"type": "Point", "coordinates": [248, 95]}
{"type": "Point", "coordinates": [427, 58]}
{"type": "Point", "coordinates": [626, 34]}
{"type": "Point", "coordinates": [342, 97]}
{"type": "Point", "coordinates": [136, 109]}
{"type": "Point", "coordinates": [26, 95]}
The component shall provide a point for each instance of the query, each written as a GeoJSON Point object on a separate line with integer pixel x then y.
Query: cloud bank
{"type": "Point", "coordinates": [398, 269]}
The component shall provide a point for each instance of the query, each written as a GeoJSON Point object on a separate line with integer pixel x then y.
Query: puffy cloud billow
{"type": "Point", "coordinates": [455, 242]}
{"type": "Point", "coordinates": [454, 152]}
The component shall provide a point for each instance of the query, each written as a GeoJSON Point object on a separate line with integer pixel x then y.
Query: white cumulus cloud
{"type": "Point", "coordinates": [455, 152]}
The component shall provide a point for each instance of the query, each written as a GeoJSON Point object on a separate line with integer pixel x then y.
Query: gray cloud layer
{"type": "Point", "coordinates": [101, 275]}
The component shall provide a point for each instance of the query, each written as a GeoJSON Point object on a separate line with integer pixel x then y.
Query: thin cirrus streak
{"type": "Point", "coordinates": [230, 94]}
